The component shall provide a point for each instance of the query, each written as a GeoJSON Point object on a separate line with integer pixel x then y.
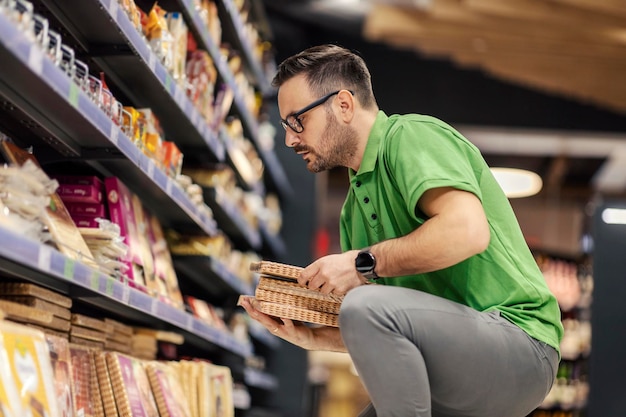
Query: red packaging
{"type": "Point", "coordinates": [86, 221]}
{"type": "Point", "coordinates": [119, 204]}
{"type": "Point", "coordinates": [75, 193]}
{"type": "Point", "coordinates": [79, 180]}
{"type": "Point", "coordinates": [172, 159]}
{"type": "Point", "coordinates": [87, 209]}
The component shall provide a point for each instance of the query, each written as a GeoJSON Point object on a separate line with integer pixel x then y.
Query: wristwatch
{"type": "Point", "coordinates": [365, 262]}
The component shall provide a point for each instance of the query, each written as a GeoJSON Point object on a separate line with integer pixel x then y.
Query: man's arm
{"type": "Point", "coordinates": [456, 229]}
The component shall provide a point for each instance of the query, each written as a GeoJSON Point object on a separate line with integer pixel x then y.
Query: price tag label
{"type": "Point", "coordinates": [125, 294]}
{"type": "Point", "coordinates": [179, 96]}
{"type": "Point", "coordinates": [150, 169]}
{"type": "Point", "coordinates": [154, 305]}
{"type": "Point", "coordinates": [109, 287]}
{"type": "Point", "coordinates": [114, 134]}
{"type": "Point", "coordinates": [35, 59]}
{"type": "Point", "coordinates": [94, 281]}
{"type": "Point", "coordinates": [113, 6]}
{"type": "Point", "coordinates": [43, 261]}
{"type": "Point", "coordinates": [195, 118]}
{"type": "Point", "coordinates": [168, 187]}
{"type": "Point", "coordinates": [73, 94]}
{"type": "Point", "coordinates": [152, 61]}
{"type": "Point", "coordinates": [68, 268]}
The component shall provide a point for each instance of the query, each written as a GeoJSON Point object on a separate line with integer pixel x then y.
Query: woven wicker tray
{"type": "Point", "coordinates": [300, 314]}
{"type": "Point", "coordinates": [292, 288]}
{"type": "Point", "coordinates": [276, 269]}
{"type": "Point", "coordinates": [297, 301]}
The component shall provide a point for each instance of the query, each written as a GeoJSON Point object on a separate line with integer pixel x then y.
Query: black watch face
{"type": "Point", "coordinates": [364, 262]}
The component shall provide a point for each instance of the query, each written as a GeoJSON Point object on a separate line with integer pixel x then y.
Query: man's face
{"type": "Point", "coordinates": [323, 141]}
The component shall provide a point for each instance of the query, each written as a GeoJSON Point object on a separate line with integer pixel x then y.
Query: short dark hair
{"type": "Point", "coordinates": [328, 68]}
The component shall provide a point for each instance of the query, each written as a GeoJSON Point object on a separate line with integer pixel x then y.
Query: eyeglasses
{"type": "Point", "coordinates": [293, 120]}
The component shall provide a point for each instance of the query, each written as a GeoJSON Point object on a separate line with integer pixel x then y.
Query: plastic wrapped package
{"type": "Point", "coordinates": [26, 359]}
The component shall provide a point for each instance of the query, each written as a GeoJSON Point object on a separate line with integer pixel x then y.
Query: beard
{"type": "Point", "coordinates": [338, 145]}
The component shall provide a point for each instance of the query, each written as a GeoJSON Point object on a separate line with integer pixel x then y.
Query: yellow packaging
{"type": "Point", "coordinates": [25, 353]}
{"type": "Point", "coordinates": [9, 406]}
{"type": "Point", "coordinates": [135, 120]}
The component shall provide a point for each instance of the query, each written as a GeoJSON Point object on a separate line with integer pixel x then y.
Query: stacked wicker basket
{"type": "Point", "coordinates": [280, 295]}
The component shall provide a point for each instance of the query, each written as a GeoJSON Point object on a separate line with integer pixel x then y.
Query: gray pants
{"type": "Point", "coordinates": [419, 355]}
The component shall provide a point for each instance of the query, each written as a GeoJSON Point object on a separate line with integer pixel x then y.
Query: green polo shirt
{"type": "Point", "coordinates": [407, 155]}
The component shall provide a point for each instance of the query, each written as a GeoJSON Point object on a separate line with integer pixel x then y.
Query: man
{"type": "Point", "coordinates": [462, 322]}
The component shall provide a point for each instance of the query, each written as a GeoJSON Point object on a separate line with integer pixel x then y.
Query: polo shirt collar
{"type": "Point", "coordinates": [373, 140]}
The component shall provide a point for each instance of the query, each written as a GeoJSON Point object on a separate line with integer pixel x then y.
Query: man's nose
{"type": "Point", "coordinates": [291, 138]}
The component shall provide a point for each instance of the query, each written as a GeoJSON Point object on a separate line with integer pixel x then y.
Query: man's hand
{"type": "Point", "coordinates": [293, 332]}
{"type": "Point", "coordinates": [334, 274]}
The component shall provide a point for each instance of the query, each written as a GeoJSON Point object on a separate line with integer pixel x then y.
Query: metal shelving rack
{"type": "Point", "coordinates": [76, 129]}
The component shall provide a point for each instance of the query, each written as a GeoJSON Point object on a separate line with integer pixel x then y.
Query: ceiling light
{"type": "Point", "coordinates": [614, 216]}
{"type": "Point", "coordinates": [517, 183]}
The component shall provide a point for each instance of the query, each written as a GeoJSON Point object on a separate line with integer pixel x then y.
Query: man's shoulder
{"type": "Point", "coordinates": [399, 119]}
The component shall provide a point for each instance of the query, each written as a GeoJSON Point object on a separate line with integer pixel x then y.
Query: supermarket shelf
{"type": "Point", "coordinates": [258, 379]}
{"type": "Point", "coordinates": [242, 166]}
{"type": "Point", "coordinates": [42, 264]}
{"type": "Point", "coordinates": [211, 275]}
{"type": "Point", "coordinates": [273, 245]}
{"type": "Point", "coordinates": [81, 129]}
{"type": "Point", "coordinates": [128, 61]}
{"type": "Point", "coordinates": [275, 170]}
{"type": "Point", "coordinates": [231, 220]}
{"type": "Point", "coordinates": [235, 23]}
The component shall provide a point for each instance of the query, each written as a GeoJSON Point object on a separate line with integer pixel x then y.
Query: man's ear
{"type": "Point", "coordinates": [346, 105]}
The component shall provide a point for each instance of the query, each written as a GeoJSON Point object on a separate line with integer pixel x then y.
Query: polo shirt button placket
{"type": "Point", "coordinates": [374, 216]}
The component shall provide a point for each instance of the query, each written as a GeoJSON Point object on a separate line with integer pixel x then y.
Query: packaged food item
{"type": "Point", "coordinates": [10, 406]}
{"type": "Point", "coordinates": [135, 124]}
{"type": "Point", "coordinates": [201, 81]}
{"type": "Point", "coordinates": [164, 272]}
{"type": "Point", "coordinates": [179, 32]}
{"type": "Point", "coordinates": [25, 314]}
{"type": "Point", "coordinates": [159, 37]}
{"type": "Point", "coordinates": [104, 383]}
{"type": "Point", "coordinates": [61, 363]}
{"type": "Point", "coordinates": [64, 232]}
{"type": "Point", "coordinates": [172, 159]}
{"type": "Point", "coordinates": [221, 381]}
{"type": "Point", "coordinates": [119, 204]}
{"type": "Point", "coordinates": [131, 396]}
{"type": "Point", "coordinates": [82, 379]}
{"type": "Point", "coordinates": [25, 353]}
{"type": "Point", "coordinates": [170, 397]}
{"type": "Point", "coordinates": [28, 289]}
{"type": "Point", "coordinates": [153, 136]}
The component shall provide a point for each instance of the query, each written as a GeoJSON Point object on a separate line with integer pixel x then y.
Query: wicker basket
{"type": "Point", "coordinates": [280, 295]}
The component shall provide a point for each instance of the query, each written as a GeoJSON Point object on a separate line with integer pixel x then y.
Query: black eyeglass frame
{"type": "Point", "coordinates": [295, 116]}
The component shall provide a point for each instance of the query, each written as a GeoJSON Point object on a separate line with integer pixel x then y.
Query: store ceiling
{"type": "Point", "coordinates": [536, 84]}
